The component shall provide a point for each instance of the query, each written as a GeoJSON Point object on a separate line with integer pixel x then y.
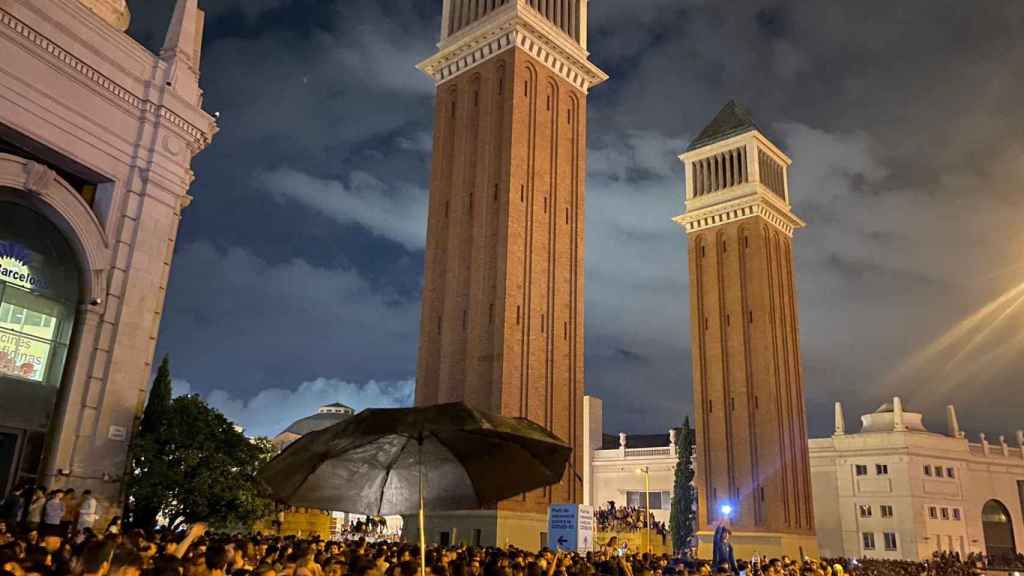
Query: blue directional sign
{"type": "Point", "coordinates": [571, 527]}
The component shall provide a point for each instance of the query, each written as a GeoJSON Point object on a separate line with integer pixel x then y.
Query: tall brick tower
{"type": "Point", "coordinates": [502, 316]}
{"type": "Point", "coordinates": [747, 382]}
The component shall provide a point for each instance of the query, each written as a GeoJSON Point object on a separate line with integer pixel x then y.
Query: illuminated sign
{"type": "Point", "coordinates": [16, 267]}
{"type": "Point", "coordinates": [23, 357]}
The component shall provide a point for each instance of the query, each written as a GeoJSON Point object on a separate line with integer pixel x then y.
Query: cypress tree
{"type": "Point", "coordinates": [143, 504]}
{"type": "Point", "coordinates": [683, 517]}
{"type": "Point", "coordinates": [159, 401]}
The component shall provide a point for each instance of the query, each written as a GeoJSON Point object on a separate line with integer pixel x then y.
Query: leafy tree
{"type": "Point", "coordinates": [197, 467]}
{"type": "Point", "coordinates": [682, 519]}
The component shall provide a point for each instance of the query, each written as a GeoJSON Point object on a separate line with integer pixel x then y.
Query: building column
{"type": "Point", "coordinates": [73, 399]}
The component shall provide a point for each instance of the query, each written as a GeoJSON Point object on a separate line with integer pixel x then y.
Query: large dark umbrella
{"type": "Point", "coordinates": [405, 460]}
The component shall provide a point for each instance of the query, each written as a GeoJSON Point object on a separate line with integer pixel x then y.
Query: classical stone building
{"type": "Point", "coordinates": [747, 378]}
{"type": "Point", "coordinates": [896, 490]}
{"type": "Point", "coordinates": [893, 489]}
{"type": "Point", "coordinates": [502, 313]}
{"type": "Point", "coordinates": [96, 139]}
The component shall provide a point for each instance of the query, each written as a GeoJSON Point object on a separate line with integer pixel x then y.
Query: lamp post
{"type": "Point", "coordinates": [646, 471]}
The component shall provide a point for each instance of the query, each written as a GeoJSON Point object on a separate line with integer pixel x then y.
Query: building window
{"type": "Point", "coordinates": [38, 291]}
{"type": "Point", "coordinates": [659, 500]}
{"type": "Point", "coordinates": [945, 513]}
{"type": "Point", "coordinates": [861, 469]}
{"type": "Point", "coordinates": [956, 514]}
{"type": "Point", "coordinates": [938, 471]}
{"type": "Point", "coordinates": [865, 510]}
{"type": "Point", "coordinates": [890, 541]}
{"type": "Point", "coordinates": [869, 540]}
{"type": "Point", "coordinates": [932, 512]}
{"type": "Point", "coordinates": [927, 469]}
{"type": "Point", "coordinates": [882, 469]}
{"type": "Point", "coordinates": [886, 511]}
{"type": "Point", "coordinates": [949, 473]}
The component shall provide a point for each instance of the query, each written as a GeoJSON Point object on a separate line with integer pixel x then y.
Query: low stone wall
{"type": "Point", "coordinates": [637, 540]}
{"type": "Point", "coordinates": [303, 522]}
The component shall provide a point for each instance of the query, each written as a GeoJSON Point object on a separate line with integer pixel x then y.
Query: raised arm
{"type": "Point", "coordinates": [554, 562]}
{"type": "Point", "coordinates": [195, 531]}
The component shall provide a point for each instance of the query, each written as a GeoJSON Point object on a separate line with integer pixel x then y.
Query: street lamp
{"type": "Point", "coordinates": [647, 507]}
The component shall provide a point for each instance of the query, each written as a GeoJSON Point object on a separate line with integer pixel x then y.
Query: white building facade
{"type": "Point", "coordinates": [624, 468]}
{"type": "Point", "coordinates": [893, 489]}
{"type": "Point", "coordinates": [896, 490]}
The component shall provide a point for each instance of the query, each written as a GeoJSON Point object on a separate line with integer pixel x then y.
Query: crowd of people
{"type": "Point", "coordinates": [58, 536]}
{"type": "Point", "coordinates": [940, 564]}
{"type": "Point", "coordinates": [195, 552]}
{"type": "Point", "coordinates": [614, 518]}
{"type": "Point", "coordinates": [372, 528]}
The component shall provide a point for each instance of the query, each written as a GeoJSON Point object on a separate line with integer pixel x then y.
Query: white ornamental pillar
{"type": "Point", "coordinates": [840, 420]}
{"type": "Point", "coordinates": [897, 415]}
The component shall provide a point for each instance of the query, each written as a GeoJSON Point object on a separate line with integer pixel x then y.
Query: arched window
{"type": "Point", "coordinates": [39, 293]}
{"type": "Point", "coordinates": [997, 525]}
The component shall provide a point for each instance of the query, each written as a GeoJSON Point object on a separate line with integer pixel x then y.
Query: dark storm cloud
{"type": "Point", "coordinates": [903, 122]}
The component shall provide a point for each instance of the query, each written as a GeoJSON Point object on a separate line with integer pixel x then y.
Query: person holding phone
{"type": "Point", "coordinates": [723, 553]}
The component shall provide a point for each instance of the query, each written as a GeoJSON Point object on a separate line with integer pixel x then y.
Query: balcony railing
{"type": "Point", "coordinates": [614, 454]}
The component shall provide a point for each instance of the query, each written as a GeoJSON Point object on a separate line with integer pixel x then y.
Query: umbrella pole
{"type": "Point", "coordinates": [423, 537]}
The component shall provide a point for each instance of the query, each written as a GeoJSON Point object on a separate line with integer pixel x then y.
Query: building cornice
{"type": "Point", "coordinates": [199, 138]}
{"type": "Point", "coordinates": [512, 25]}
{"type": "Point", "coordinates": [755, 202]}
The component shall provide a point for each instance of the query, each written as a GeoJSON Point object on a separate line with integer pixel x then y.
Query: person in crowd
{"type": "Point", "coordinates": [723, 557]}
{"type": "Point", "coordinates": [88, 511]}
{"type": "Point", "coordinates": [126, 561]}
{"type": "Point", "coordinates": [96, 557]}
{"type": "Point", "coordinates": [34, 518]}
{"type": "Point", "coordinates": [69, 519]}
{"type": "Point", "coordinates": [53, 511]}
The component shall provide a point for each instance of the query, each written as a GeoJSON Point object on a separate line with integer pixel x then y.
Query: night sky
{"type": "Point", "coordinates": [298, 267]}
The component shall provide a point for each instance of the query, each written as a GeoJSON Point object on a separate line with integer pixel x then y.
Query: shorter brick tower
{"type": "Point", "coordinates": [753, 472]}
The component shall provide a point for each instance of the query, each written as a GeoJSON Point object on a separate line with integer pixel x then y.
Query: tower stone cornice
{"type": "Point", "coordinates": [514, 24]}
{"type": "Point", "coordinates": [753, 202]}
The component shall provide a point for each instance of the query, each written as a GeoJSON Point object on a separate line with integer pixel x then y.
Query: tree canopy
{"type": "Point", "coordinates": [190, 464]}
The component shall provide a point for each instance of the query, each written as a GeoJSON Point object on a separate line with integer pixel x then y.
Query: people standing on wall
{"type": "Point", "coordinates": [53, 512]}
{"type": "Point", "coordinates": [35, 508]}
{"type": "Point", "coordinates": [70, 518]}
{"type": "Point", "coordinates": [88, 511]}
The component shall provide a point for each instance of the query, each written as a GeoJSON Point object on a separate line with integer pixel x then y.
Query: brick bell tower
{"type": "Point", "coordinates": [748, 389]}
{"type": "Point", "coordinates": [502, 314]}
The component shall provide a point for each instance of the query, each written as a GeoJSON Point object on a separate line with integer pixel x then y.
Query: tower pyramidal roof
{"type": "Point", "coordinates": [732, 120]}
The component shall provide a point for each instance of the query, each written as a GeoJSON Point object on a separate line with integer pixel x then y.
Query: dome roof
{"type": "Point", "coordinates": [315, 422]}
{"type": "Point", "coordinates": [884, 420]}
